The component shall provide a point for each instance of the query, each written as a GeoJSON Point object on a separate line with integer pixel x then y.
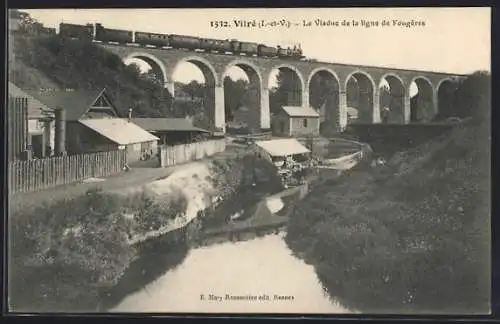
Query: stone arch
{"type": "Point", "coordinates": [296, 96]}
{"type": "Point", "coordinates": [445, 93]}
{"type": "Point", "coordinates": [155, 63]}
{"type": "Point", "coordinates": [396, 104]}
{"type": "Point", "coordinates": [366, 74]}
{"type": "Point", "coordinates": [209, 72]}
{"type": "Point", "coordinates": [250, 69]}
{"type": "Point", "coordinates": [422, 105]}
{"type": "Point", "coordinates": [391, 77]}
{"type": "Point", "coordinates": [254, 111]}
{"type": "Point", "coordinates": [213, 95]}
{"type": "Point", "coordinates": [319, 69]}
{"type": "Point", "coordinates": [294, 69]}
{"type": "Point", "coordinates": [423, 78]}
{"type": "Point", "coordinates": [329, 109]}
{"type": "Point", "coordinates": [365, 97]}
{"type": "Point", "coordinates": [440, 82]}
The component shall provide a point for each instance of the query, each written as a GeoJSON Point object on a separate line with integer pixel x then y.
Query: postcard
{"type": "Point", "coordinates": [272, 161]}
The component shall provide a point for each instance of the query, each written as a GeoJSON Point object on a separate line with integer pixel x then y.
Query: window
{"type": "Point", "coordinates": [305, 122]}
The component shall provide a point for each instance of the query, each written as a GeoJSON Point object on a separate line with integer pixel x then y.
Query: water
{"type": "Point", "coordinates": [259, 267]}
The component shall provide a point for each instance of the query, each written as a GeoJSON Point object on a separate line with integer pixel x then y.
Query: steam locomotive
{"type": "Point", "coordinates": [98, 33]}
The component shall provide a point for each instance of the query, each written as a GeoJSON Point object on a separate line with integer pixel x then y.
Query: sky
{"type": "Point", "coordinates": [454, 40]}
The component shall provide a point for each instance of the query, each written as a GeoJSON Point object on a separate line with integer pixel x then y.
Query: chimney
{"type": "Point", "coordinates": [130, 114]}
{"type": "Point", "coordinates": [60, 132]}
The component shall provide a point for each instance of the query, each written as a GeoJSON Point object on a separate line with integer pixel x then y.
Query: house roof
{"type": "Point", "coordinates": [75, 102]}
{"type": "Point", "coordinates": [167, 124]}
{"type": "Point", "coordinates": [36, 108]}
{"type": "Point", "coordinates": [300, 111]}
{"type": "Point", "coordinates": [282, 147]}
{"type": "Point", "coordinates": [119, 130]}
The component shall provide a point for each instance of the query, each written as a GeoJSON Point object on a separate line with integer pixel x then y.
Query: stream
{"type": "Point", "coordinates": [258, 276]}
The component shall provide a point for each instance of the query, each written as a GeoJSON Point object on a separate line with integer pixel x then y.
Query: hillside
{"type": "Point", "coordinates": [54, 62]}
{"type": "Point", "coordinates": [412, 236]}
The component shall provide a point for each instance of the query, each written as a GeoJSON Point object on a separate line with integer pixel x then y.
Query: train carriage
{"type": "Point", "coordinates": [113, 35]}
{"type": "Point", "coordinates": [223, 46]}
{"type": "Point", "coordinates": [249, 48]}
{"type": "Point", "coordinates": [267, 51]}
{"type": "Point", "coordinates": [208, 44]}
{"type": "Point", "coordinates": [99, 33]}
{"type": "Point", "coordinates": [217, 45]}
{"type": "Point", "coordinates": [187, 42]}
{"type": "Point", "coordinates": [235, 46]}
{"type": "Point", "coordinates": [76, 31]}
{"type": "Point", "coordinates": [160, 40]}
{"type": "Point", "coordinates": [283, 52]}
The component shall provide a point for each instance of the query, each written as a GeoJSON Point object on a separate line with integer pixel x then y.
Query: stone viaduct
{"type": "Point", "coordinates": [368, 78]}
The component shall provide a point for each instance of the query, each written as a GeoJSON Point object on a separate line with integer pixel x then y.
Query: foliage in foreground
{"type": "Point", "coordinates": [412, 236]}
{"type": "Point", "coordinates": [62, 254]}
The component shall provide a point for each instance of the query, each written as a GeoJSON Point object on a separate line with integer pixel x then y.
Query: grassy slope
{"type": "Point", "coordinates": [413, 236]}
{"type": "Point", "coordinates": [59, 63]}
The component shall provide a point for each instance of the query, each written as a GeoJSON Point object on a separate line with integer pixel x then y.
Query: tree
{"type": "Point", "coordinates": [385, 96]}
{"type": "Point", "coordinates": [279, 94]}
{"type": "Point", "coordinates": [234, 95]}
{"type": "Point", "coordinates": [194, 89]}
{"type": "Point", "coordinates": [133, 69]}
{"type": "Point", "coordinates": [474, 89]}
{"type": "Point", "coordinates": [151, 76]}
{"type": "Point", "coordinates": [352, 93]}
{"type": "Point", "coordinates": [321, 87]}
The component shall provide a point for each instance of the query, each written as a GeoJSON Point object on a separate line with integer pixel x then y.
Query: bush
{"type": "Point", "coordinates": [62, 254]}
{"type": "Point", "coordinates": [80, 64]}
{"type": "Point", "coordinates": [412, 236]}
{"type": "Point", "coordinates": [151, 212]}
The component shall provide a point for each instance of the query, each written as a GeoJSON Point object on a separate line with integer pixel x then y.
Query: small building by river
{"type": "Point", "coordinates": [296, 121]}
{"type": "Point", "coordinates": [283, 153]}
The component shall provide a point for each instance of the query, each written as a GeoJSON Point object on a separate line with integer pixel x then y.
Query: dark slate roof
{"type": "Point", "coordinates": [75, 102]}
{"type": "Point", "coordinates": [167, 124]}
{"type": "Point", "coordinates": [36, 109]}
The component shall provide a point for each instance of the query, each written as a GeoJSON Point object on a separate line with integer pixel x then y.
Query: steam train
{"type": "Point", "coordinates": [98, 33]}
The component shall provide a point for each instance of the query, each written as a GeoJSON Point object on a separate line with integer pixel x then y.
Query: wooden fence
{"type": "Point", "coordinates": [17, 127]}
{"type": "Point", "coordinates": [177, 154]}
{"type": "Point", "coordinates": [37, 174]}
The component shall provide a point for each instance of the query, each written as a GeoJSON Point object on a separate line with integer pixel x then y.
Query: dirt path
{"type": "Point", "coordinates": [135, 177]}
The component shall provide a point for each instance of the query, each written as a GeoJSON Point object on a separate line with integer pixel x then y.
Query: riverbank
{"type": "Point", "coordinates": [411, 236]}
{"type": "Point", "coordinates": [67, 251]}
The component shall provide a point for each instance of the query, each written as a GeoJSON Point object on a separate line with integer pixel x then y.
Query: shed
{"type": "Point", "coordinates": [118, 133]}
{"type": "Point", "coordinates": [81, 104]}
{"type": "Point", "coordinates": [278, 150]}
{"type": "Point", "coordinates": [296, 121]}
{"type": "Point", "coordinates": [171, 131]}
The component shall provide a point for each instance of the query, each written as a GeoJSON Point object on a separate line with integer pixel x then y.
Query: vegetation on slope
{"type": "Point", "coordinates": [67, 251]}
{"type": "Point", "coordinates": [65, 254]}
{"type": "Point", "coordinates": [80, 64]}
{"type": "Point", "coordinates": [411, 236]}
